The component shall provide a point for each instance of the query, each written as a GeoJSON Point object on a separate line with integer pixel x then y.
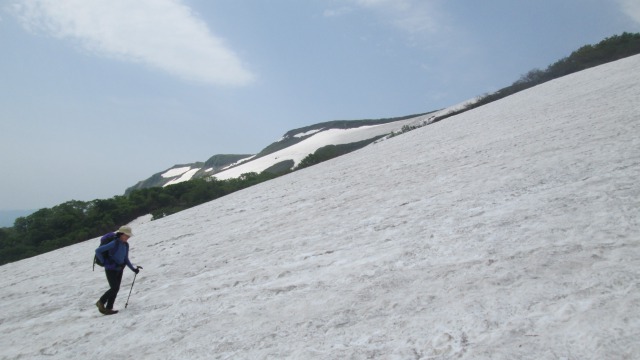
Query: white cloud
{"type": "Point", "coordinates": [164, 34]}
{"type": "Point", "coordinates": [631, 8]}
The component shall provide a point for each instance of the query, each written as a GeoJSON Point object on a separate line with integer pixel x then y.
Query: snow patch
{"type": "Point", "coordinates": [176, 172]}
{"type": "Point", "coordinates": [299, 151]}
{"type": "Point", "coordinates": [310, 132]}
{"type": "Point", "coordinates": [238, 162]}
{"type": "Point", "coordinates": [185, 177]}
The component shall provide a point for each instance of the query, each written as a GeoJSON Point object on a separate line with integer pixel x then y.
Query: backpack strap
{"type": "Point", "coordinates": [115, 247]}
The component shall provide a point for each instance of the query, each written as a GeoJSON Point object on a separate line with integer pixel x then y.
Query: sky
{"type": "Point", "coordinates": [98, 95]}
{"type": "Point", "coordinates": [517, 240]}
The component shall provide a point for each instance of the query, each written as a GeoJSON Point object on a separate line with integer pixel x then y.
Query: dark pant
{"type": "Point", "coordinates": [114, 277]}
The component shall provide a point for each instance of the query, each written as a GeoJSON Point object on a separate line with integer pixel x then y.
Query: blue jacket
{"type": "Point", "coordinates": [118, 255]}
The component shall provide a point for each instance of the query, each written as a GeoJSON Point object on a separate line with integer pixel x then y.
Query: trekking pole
{"type": "Point", "coordinates": [134, 281]}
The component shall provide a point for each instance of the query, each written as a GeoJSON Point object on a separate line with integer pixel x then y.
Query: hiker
{"type": "Point", "coordinates": [114, 255]}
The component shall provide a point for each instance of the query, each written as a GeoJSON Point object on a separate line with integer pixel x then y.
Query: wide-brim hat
{"type": "Point", "coordinates": [125, 230]}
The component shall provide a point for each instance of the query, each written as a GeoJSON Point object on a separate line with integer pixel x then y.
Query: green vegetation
{"type": "Point", "coordinates": [215, 163]}
{"type": "Point", "coordinates": [331, 151]}
{"type": "Point", "coordinates": [610, 49]}
{"type": "Point", "coordinates": [75, 221]}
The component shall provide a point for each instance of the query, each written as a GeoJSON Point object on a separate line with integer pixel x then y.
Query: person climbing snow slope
{"type": "Point", "coordinates": [114, 255]}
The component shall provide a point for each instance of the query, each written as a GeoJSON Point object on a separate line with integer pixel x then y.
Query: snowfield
{"type": "Point", "coordinates": [317, 139]}
{"type": "Point", "coordinates": [507, 232]}
{"type": "Point", "coordinates": [299, 151]}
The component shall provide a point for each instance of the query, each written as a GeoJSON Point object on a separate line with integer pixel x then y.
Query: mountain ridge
{"type": "Point", "coordinates": [220, 162]}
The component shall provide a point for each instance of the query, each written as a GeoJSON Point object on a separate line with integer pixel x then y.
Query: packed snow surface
{"type": "Point", "coordinates": [507, 232]}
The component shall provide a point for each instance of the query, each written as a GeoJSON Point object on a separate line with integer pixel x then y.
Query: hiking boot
{"type": "Point", "coordinates": [110, 312]}
{"type": "Point", "coordinates": [101, 307]}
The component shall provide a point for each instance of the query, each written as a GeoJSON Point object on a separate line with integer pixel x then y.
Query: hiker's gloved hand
{"type": "Point", "coordinates": [137, 270]}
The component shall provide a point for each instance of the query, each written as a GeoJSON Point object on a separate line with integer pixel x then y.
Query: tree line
{"type": "Point", "coordinates": [76, 221]}
{"type": "Point", "coordinates": [610, 49]}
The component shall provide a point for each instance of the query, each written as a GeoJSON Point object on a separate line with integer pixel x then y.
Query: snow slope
{"type": "Point", "coordinates": [299, 151]}
{"type": "Point", "coordinates": [507, 232]}
{"type": "Point", "coordinates": [317, 139]}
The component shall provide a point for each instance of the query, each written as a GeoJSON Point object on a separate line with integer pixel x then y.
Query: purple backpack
{"type": "Point", "coordinates": [108, 253]}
